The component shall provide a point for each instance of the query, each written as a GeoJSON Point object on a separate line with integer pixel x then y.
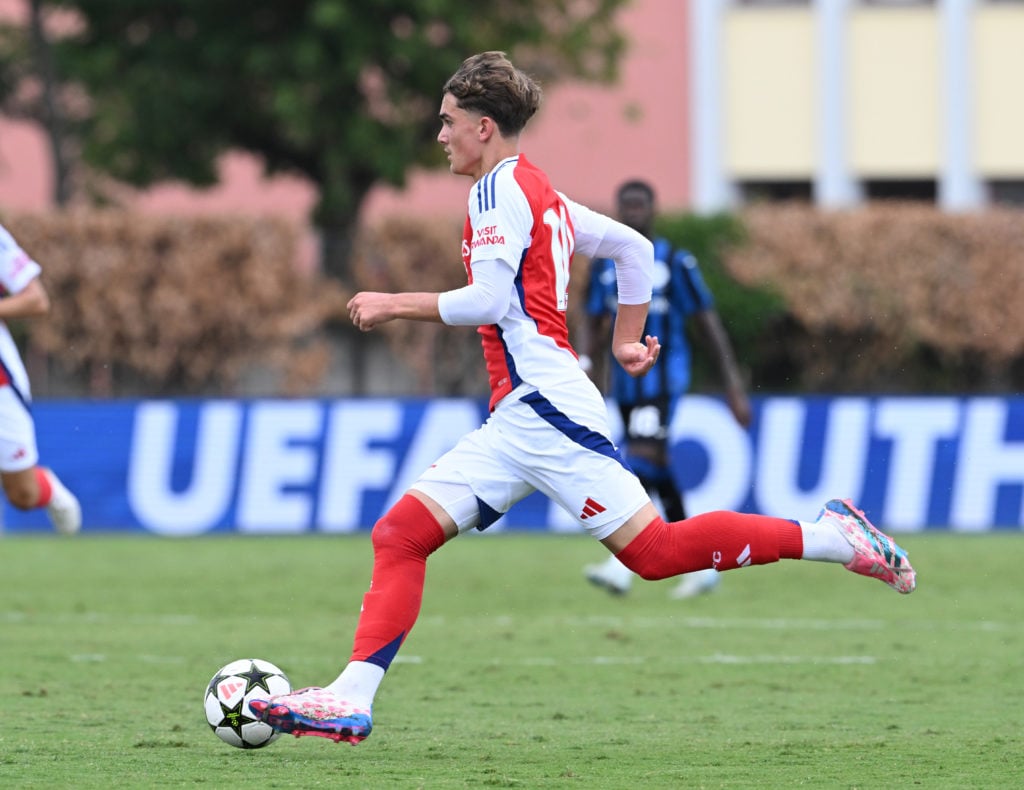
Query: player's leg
{"type": "Point", "coordinates": [403, 538]}
{"type": "Point", "coordinates": [718, 541]}
{"type": "Point", "coordinates": [655, 549]}
{"type": "Point", "coordinates": [27, 485]}
{"type": "Point", "coordinates": [647, 452]}
{"type": "Point", "coordinates": [695, 583]}
{"type": "Point", "coordinates": [646, 428]}
{"type": "Point", "coordinates": [451, 497]}
{"type": "Point", "coordinates": [673, 506]}
{"type": "Point", "coordinates": [610, 574]}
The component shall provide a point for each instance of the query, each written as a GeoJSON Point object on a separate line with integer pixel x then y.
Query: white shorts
{"type": "Point", "coordinates": [18, 450]}
{"type": "Point", "coordinates": [556, 442]}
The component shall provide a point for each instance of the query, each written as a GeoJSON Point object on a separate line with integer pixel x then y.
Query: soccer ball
{"type": "Point", "coordinates": [227, 701]}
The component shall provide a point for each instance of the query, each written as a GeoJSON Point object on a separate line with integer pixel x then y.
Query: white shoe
{"type": "Point", "coordinates": [610, 575]}
{"type": "Point", "coordinates": [697, 583]}
{"type": "Point", "coordinates": [64, 510]}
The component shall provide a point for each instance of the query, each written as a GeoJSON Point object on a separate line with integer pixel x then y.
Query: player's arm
{"type": "Point", "coordinates": [636, 356]}
{"type": "Point", "coordinates": [633, 253]}
{"type": "Point", "coordinates": [689, 288]}
{"type": "Point", "coordinates": [368, 309]}
{"type": "Point", "coordinates": [494, 265]}
{"type": "Point", "coordinates": [30, 302]}
{"type": "Point", "coordinates": [712, 329]}
{"type": "Point", "coordinates": [483, 301]}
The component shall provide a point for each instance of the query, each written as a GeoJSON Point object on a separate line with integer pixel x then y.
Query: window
{"type": "Point", "coordinates": [773, 191]}
{"type": "Point", "coordinates": [1006, 192]}
{"type": "Point", "coordinates": [924, 190]}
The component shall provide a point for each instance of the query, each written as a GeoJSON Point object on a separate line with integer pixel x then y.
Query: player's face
{"type": "Point", "coordinates": [460, 136]}
{"type": "Point", "coordinates": [636, 210]}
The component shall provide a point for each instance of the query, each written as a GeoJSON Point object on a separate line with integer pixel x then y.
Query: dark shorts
{"type": "Point", "coordinates": [648, 421]}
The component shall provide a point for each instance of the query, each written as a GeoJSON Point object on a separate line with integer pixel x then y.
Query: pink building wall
{"type": "Point", "coordinates": [588, 138]}
{"type": "Point", "coordinates": [591, 138]}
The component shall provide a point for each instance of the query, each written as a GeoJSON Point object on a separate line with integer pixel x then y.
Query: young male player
{"type": "Point", "coordinates": [548, 427]}
{"type": "Point", "coordinates": [26, 484]}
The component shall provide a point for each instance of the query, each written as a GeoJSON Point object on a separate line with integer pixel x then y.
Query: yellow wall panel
{"type": "Point", "coordinates": [769, 82]}
{"type": "Point", "coordinates": [895, 74]}
{"type": "Point", "coordinates": [998, 45]}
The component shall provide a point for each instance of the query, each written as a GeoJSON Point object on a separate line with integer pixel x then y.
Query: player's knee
{"type": "Point", "coordinates": [385, 533]}
{"type": "Point", "coordinates": [20, 495]}
{"type": "Point", "coordinates": [20, 498]}
{"type": "Point", "coordinates": [407, 528]}
{"type": "Point", "coordinates": [648, 555]}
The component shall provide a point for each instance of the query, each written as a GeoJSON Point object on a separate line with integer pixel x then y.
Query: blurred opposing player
{"type": "Point", "coordinates": [26, 484]}
{"type": "Point", "coordinates": [679, 298]}
{"type": "Point", "coordinates": [548, 428]}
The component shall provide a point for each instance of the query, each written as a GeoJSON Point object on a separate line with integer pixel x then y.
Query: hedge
{"type": "Point", "coordinates": [158, 305]}
{"type": "Point", "coordinates": [884, 298]}
{"type": "Point", "coordinates": [891, 296]}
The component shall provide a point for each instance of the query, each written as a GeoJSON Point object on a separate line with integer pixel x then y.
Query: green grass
{"type": "Point", "coordinates": [518, 673]}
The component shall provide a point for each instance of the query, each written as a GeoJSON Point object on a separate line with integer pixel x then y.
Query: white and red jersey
{"type": "Point", "coordinates": [553, 434]}
{"type": "Point", "coordinates": [17, 270]}
{"type": "Point", "coordinates": [515, 216]}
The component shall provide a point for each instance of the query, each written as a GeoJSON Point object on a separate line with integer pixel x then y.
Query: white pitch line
{"type": "Point", "coordinates": [603, 621]}
{"type": "Point", "coordinates": [722, 658]}
{"type": "Point", "coordinates": [716, 658]}
{"type": "Point", "coordinates": [101, 617]}
{"type": "Point", "coordinates": [722, 623]}
{"type": "Point", "coordinates": [99, 658]}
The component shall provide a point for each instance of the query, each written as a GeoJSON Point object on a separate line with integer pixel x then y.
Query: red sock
{"type": "Point", "coordinates": [722, 540]}
{"type": "Point", "coordinates": [45, 489]}
{"type": "Point", "coordinates": [402, 540]}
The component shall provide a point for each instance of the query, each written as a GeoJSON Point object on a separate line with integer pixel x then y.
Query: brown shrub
{"type": "Point", "coordinates": [880, 283]}
{"type": "Point", "coordinates": [179, 305]}
{"type": "Point", "coordinates": [402, 254]}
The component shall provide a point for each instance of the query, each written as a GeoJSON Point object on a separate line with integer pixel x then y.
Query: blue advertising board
{"type": "Point", "coordinates": [189, 467]}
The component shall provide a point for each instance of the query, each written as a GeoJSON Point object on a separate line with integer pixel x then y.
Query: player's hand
{"type": "Point", "coordinates": [638, 358]}
{"type": "Point", "coordinates": [368, 309]}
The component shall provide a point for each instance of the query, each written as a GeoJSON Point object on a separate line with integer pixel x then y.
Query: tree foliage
{"type": "Point", "coordinates": [343, 92]}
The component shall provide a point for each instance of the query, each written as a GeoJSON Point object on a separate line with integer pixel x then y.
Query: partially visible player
{"type": "Point", "coordinates": [548, 429]}
{"type": "Point", "coordinates": [26, 484]}
{"type": "Point", "coordinates": [680, 301]}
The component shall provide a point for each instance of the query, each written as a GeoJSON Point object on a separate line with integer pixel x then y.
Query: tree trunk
{"type": "Point", "coordinates": [336, 245]}
{"type": "Point", "coordinates": [52, 120]}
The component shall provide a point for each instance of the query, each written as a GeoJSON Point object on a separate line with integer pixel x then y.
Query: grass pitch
{"type": "Point", "coordinates": [518, 673]}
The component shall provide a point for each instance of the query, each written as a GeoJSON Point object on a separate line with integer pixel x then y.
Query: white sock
{"type": "Point", "coordinates": [59, 494]}
{"type": "Point", "coordinates": [823, 542]}
{"type": "Point", "coordinates": [358, 683]}
{"type": "Point", "coordinates": [616, 571]}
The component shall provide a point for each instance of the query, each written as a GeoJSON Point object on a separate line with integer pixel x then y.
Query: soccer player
{"type": "Point", "coordinates": [648, 403]}
{"type": "Point", "coordinates": [548, 427]}
{"type": "Point", "coordinates": [26, 484]}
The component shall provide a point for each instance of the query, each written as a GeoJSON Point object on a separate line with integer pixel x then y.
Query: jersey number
{"type": "Point", "coordinates": [562, 244]}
